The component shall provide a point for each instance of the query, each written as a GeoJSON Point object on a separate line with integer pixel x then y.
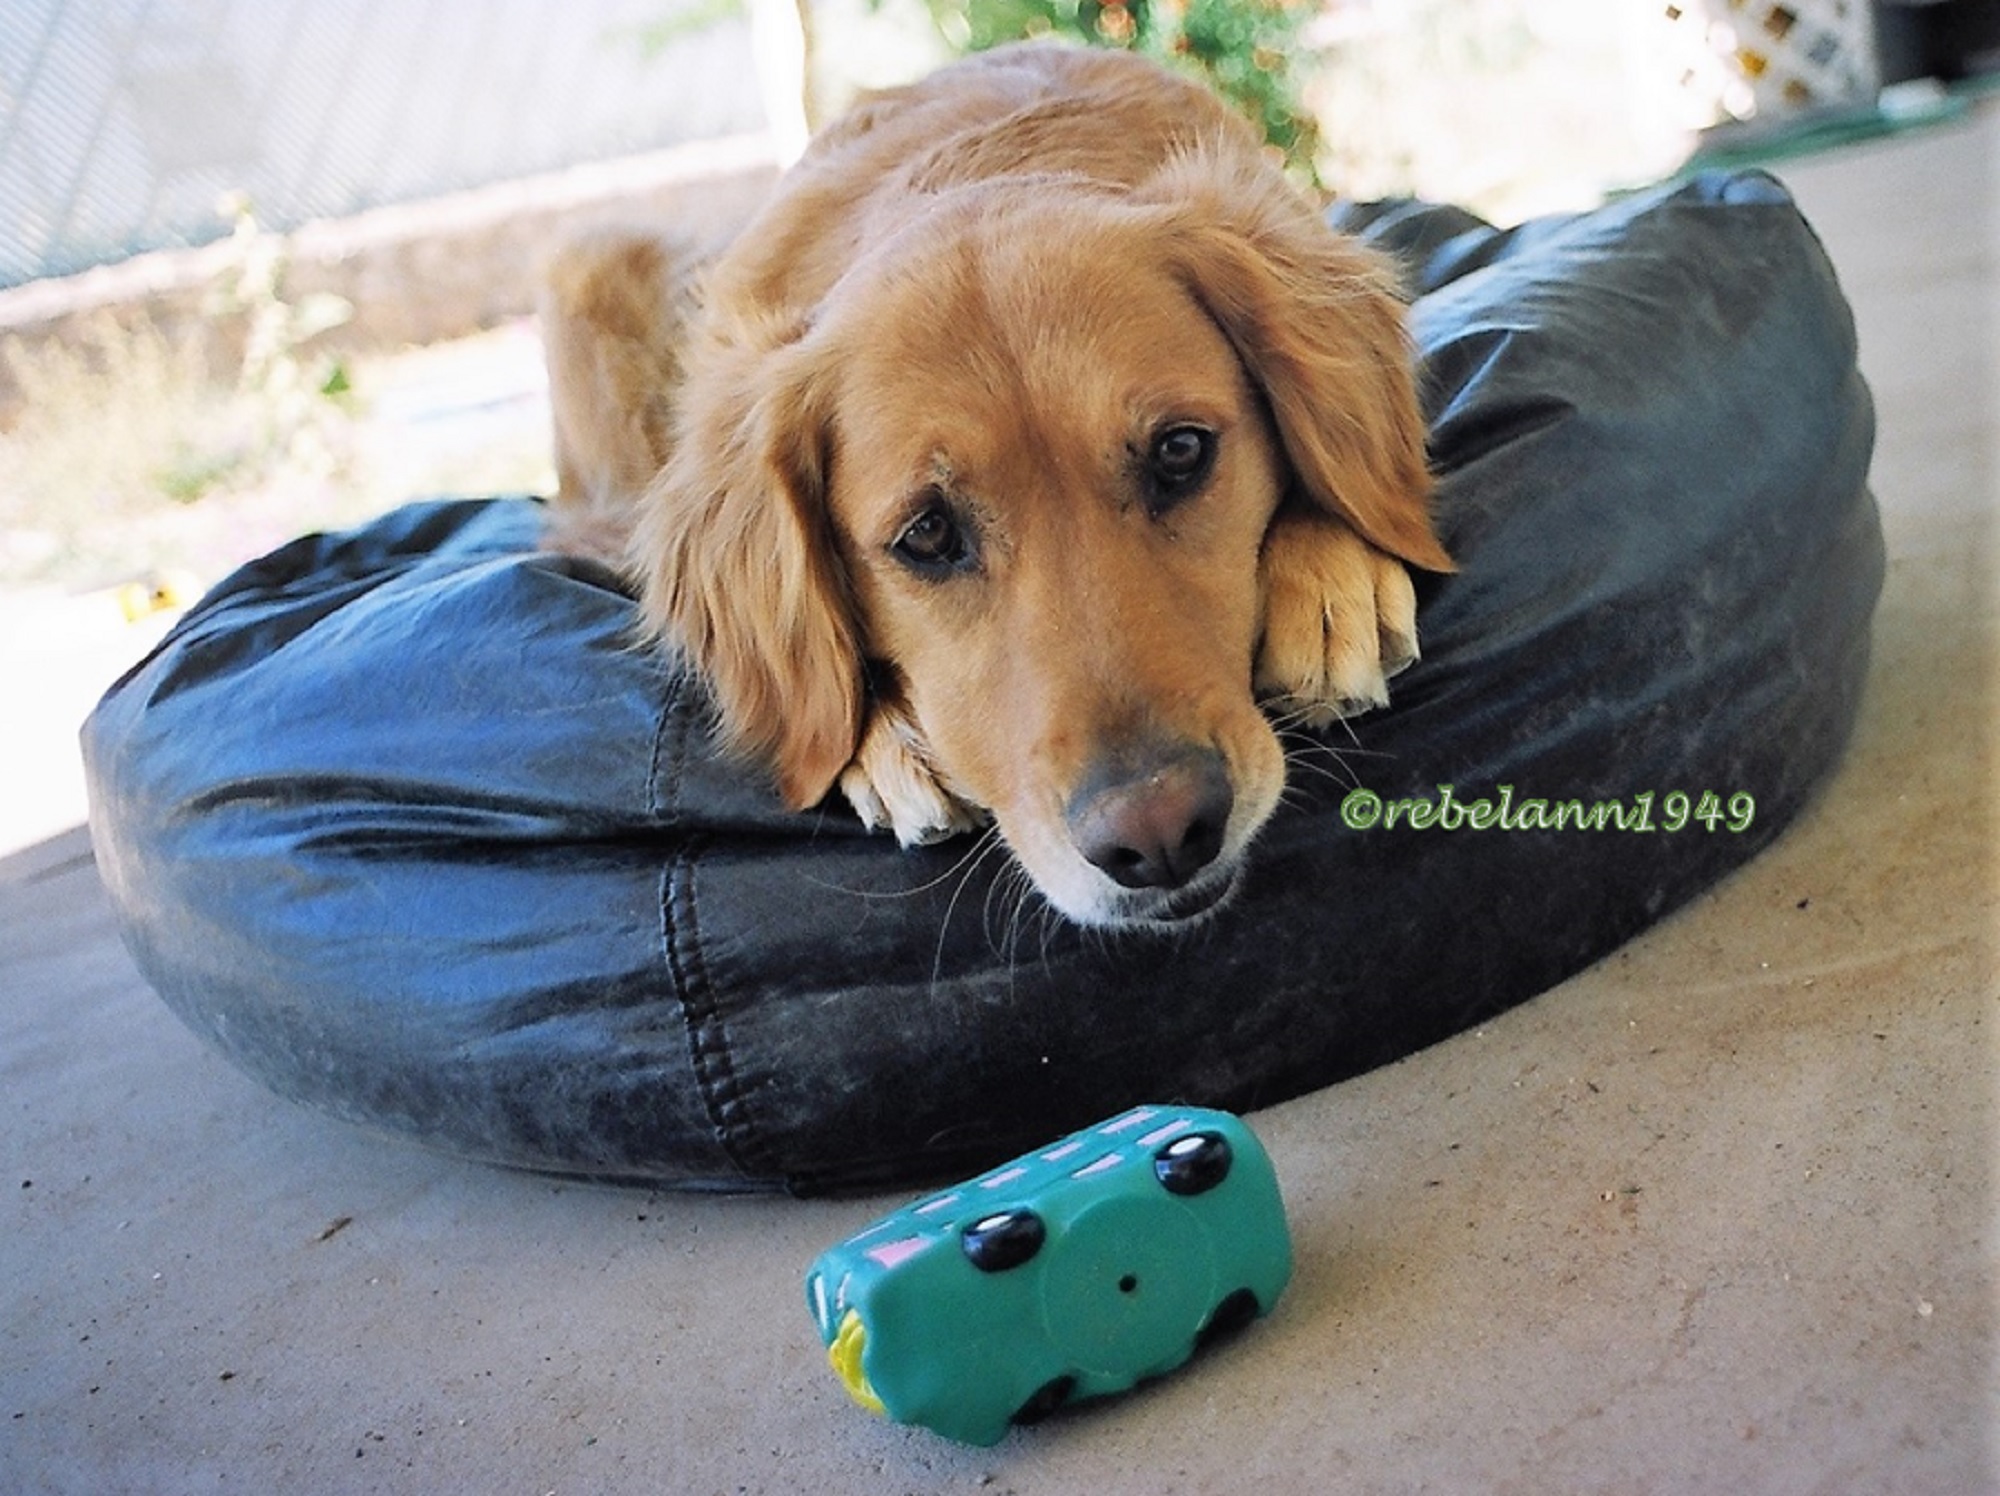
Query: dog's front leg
{"type": "Point", "coordinates": [1340, 618]}
{"type": "Point", "coordinates": [894, 784]}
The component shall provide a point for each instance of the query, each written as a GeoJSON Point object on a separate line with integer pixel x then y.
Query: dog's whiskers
{"type": "Point", "coordinates": [1318, 763]}
{"type": "Point", "coordinates": [1046, 917]}
{"type": "Point", "coordinates": [1021, 901]}
{"type": "Point", "coordinates": [1308, 754]}
{"type": "Point", "coordinates": [1001, 915]}
{"type": "Point", "coordinates": [958, 869]}
{"type": "Point", "coordinates": [982, 848]}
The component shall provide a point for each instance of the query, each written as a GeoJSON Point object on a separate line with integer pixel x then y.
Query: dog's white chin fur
{"type": "Point", "coordinates": [1087, 897]}
{"type": "Point", "coordinates": [1172, 911]}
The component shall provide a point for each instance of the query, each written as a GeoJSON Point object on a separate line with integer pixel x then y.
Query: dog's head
{"type": "Point", "coordinates": [1018, 468]}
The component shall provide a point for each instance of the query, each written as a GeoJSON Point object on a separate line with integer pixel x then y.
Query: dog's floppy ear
{"type": "Point", "coordinates": [737, 565]}
{"type": "Point", "coordinates": [1319, 322]}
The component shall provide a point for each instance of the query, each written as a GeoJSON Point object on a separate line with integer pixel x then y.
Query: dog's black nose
{"type": "Point", "coordinates": [1155, 820]}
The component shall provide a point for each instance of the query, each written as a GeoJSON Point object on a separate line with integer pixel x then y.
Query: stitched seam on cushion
{"type": "Point", "coordinates": [680, 938]}
{"type": "Point", "coordinates": [665, 720]}
{"type": "Point", "coordinates": [708, 1037]}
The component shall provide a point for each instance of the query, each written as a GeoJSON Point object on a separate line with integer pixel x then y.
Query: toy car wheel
{"type": "Point", "coordinates": [1004, 1240]}
{"type": "Point", "coordinates": [1193, 1164]}
{"type": "Point", "coordinates": [1231, 1315]}
{"type": "Point", "coordinates": [1052, 1395]}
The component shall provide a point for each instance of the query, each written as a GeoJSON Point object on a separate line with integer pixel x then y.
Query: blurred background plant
{"type": "Point", "coordinates": [292, 398]}
{"type": "Point", "coordinates": [1255, 53]}
{"type": "Point", "coordinates": [136, 451]}
{"type": "Point", "coordinates": [126, 414]}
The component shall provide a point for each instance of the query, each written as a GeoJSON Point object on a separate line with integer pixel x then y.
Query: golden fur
{"type": "Point", "coordinates": [1035, 430]}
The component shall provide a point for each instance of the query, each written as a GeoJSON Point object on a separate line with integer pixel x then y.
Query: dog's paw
{"type": "Point", "coordinates": [1340, 619]}
{"type": "Point", "coordinates": [894, 786]}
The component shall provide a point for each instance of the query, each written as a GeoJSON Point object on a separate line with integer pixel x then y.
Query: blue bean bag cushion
{"type": "Point", "coordinates": [400, 822]}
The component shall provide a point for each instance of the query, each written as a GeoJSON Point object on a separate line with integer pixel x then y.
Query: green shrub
{"type": "Point", "coordinates": [1250, 51]}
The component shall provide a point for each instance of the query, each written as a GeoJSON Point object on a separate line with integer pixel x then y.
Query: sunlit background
{"type": "Point", "coordinates": [265, 269]}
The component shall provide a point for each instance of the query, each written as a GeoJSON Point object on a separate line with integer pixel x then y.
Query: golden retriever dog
{"type": "Point", "coordinates": [1034, 442]}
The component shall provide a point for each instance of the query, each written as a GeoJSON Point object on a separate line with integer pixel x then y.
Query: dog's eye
{"type": "Point", "coordinates": [1180, 459]}
{"type": "Point", "coordinates": [934, 541]}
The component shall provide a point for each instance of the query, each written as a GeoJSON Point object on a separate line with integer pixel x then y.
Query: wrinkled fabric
{"type": "Point", "coordinates": [403, 824]}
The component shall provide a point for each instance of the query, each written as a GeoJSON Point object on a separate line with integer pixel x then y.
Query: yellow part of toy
{"type": "Point", "coordinates": [161, 592]}
{"type": "Point", "coordinates": [844, 1355]}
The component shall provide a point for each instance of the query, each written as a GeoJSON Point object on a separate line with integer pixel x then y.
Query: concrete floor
{"type": "Point", "coordinates": [1716, 1216]}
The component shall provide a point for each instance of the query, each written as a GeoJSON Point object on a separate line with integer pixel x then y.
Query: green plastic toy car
{"type": "Point", "coordinates": [1074, 1271]}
